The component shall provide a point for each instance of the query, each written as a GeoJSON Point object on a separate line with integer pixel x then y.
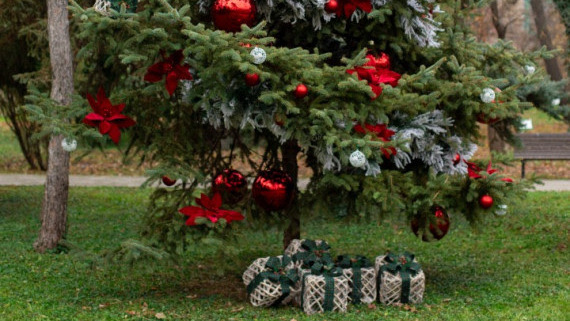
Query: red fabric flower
{"type": "Point", "coordinates": [210, 209]}
{"type": "Point", "coordinates": [347, 7]}
{"type": "Point", "coordinates": [171, 68]}
{"type": "Point", "coordinates": [375, 71]}
{"type": "Point", "coordinates": [473, 171]}
{"type": "Point", "coordinates": [107, 116]}
{"type": "Point", "coordinates": [382, 132]}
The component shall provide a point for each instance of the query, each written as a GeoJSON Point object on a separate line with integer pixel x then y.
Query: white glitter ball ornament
{"type": "Point", "coordinates": [357, 159]}
{"type": "Point", "coordinates": [488, 95]}
{"type": "Point", "coordinates": [530, 69]}
{"type": "Point", "coordinates": [501, 210]}
{"type": "Point", "coordinates": [258, 55]}
{"type": "Point", "coordinates": [69, 145]}
{"type": "Point", "coordinates": [555, 102]}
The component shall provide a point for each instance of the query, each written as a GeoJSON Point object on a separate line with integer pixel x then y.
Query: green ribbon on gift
{"type": "Point", "coordinates": [130, 5]}
{"type": "Point", "coordinates": [313, 253]}
{"type": "Point", "coordinates": [277, 273]}
{"type": "Point", "coordinates": [329, 271]}
{"type": "Point", "coordinates": [404, 265]}
{"type": "Point", "coordinates": [356, 264]}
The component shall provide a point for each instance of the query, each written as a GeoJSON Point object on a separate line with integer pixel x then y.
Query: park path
{"type": "Point", "coordinates": [136, 181]}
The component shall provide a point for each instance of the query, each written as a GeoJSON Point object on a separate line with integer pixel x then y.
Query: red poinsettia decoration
{"type": "Point", "coordinates": [171, 68]}
{"type": "Point", "coordinates": [473, 171]}
{"type": "Point", "coordinates": [106, 116]}
{"type": "Point", "coordinates": [375, 71]}
{"type": "Point", "coordinates": [347, 7]}
{"type": "Point", "coordinates": [382, 132]}
{"type": "Point", "coordinates": [210, 209]}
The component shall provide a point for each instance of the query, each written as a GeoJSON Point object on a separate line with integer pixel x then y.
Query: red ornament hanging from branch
{"type": "Point", "coordinates": [486, 201]}
{"type": "Point", "coordinates": [231, 184]}
{"type": "Point", "coordinates": [301, 91]}
{"type": "Point", "coordinates": [273, 190]}
{"type": "Point", "coordinates": [438, 226]}
{"type": "Point", "coordinates": [229, 15]}
{"type": "Point", "coordinates": [106, 116]}
{"type": "Point", "coordinates": [252, 79]}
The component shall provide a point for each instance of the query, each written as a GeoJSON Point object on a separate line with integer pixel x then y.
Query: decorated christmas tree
{"type": "Point", "coordinates": [377, 102]}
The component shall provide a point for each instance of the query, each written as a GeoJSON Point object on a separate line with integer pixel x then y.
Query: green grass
{"type": "Point", "coordinates": [513, 268]}
{"type": "Point", "coordinates": [9, 148]}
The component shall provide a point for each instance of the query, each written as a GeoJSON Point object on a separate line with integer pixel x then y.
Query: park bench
{"type": "Point", "coordinates": [543, 147]}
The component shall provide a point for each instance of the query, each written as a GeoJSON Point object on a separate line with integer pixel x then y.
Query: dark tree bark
{"type": "Point", "coordinates": [552, 66]}
{"type": "Point", "coordinates": [289, 151]}
{"type": "Point", "coordinates": [54, 209]}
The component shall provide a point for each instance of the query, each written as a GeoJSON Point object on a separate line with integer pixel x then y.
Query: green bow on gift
{"type": "Point", "coordinates": [356, 264]}
{"type": "Point", "coordinates": [130, 5]}
{"type": "Point", "coordinates": [404, 265]}
{"type": "Point", "coordinates": [276, 273]}
{"type": "Point", "coordinates": [329, 271]}
{"type": "Point", "coordinates": [313, 253]}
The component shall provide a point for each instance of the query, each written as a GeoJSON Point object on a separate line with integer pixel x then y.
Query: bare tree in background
{"type": "Point", "coordinates": [54, 209]}
{"type": "Point", "coordinates": [552, 66]}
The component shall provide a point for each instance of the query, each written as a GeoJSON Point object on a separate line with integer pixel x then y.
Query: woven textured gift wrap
{"type": "Point", "coordinates": [276, 284]}
{"type": "Point", "coordinates": [307, 252]}
{"type": "Point", "coordinates": [400, 279]}
{"type": "Point", "coordinates": [325, 288]}
{"type": "Point", "coordinates": [361, 278]}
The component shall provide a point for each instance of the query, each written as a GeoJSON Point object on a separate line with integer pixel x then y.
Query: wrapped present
{"type": "Point", "coordinates": [296, 245]}
{"type": "Point", "coordinates": [361, 278]}
{"type": "Point", "coordinates": [272, 281]}
{"type": "Point", "coordinates": [400, 279]}
{"type": "Point", "coordinates": [307, 252]}
{"type": "Point", "coordinates": [325, 288]}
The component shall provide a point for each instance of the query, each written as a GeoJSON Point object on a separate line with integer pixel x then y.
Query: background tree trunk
{"type": "Point", "coordinates": [54, 210]}
{"type": "Point", "coordinates": [552, 66]}
{"type": "Point", "coordinates": [289, 151]}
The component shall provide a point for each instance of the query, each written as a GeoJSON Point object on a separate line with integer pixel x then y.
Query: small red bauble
{"type": "Point", "coordinates": [229, 15]}
{"type": "Point", "coordinates": [231, 184]}
{"type": "Point", "coordinates": [438, 226]}
{"type": "Point", "coordinates": [456, 159]}
{"type": "Point", "coordinates": [279, 120]}
{"type": "Point", "coordinates": [252, 79]}
{"type": "Point", "coordinates": [168, 181]}
{"type": "Point", "coordinates": [486, 201]}
{"type": "Point", "coordinates": [273, 190]}
{"type": "Point", "coordinates": [331, 6]}
{"type": "Point", "coordinates": [301, 91]}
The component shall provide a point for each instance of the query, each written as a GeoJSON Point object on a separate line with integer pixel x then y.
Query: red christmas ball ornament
{"type": "Point", "coordinates": [279, 120]}
{"type": "Point", "coordinates": [438, 226]}
{"type": "Point", "coordinates": [486, 201]}
{"type": "Point", "coordinates": [456, 159]}
{"type": "Point", "coordinates": [229, 15]}
{"type": "Point", "coordinates": [168, 181]}
{"type": "Point", "coordinates": [252, 79]}
{"type": "Point", "coordinates": [231, 184]}
{"type": "Point", "coordinates": [273, 190]}
{"type": "Point", "coordinates": [331, 6]}
{"type": "Point", "coordinates": [301, 91]}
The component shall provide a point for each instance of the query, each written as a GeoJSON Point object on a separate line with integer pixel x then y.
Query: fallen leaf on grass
{"type": "Point", "coordinates": [160, 315]}
{"type": "Point", "coordinates": [237, 309]}
{"type": "Point", "coordinates": [104, 305]}
{"type": "Point", "coordinates": [131, 312]}
{"type": "Point", "coordinates": [372, 306]}
{"type": "Point", "coordinates": [192, 296]}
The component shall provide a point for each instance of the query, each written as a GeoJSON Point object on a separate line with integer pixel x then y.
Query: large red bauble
{"type": "Point", "coordinates": [251, 79]}
{"type": "Point", "coordinates": [456, 159]}
{"type": "Point", "coordinates": [168, 181]}
{"type": "Point", "coordinates": [231, 184]}
{"type": "Point", "coordinates": [438, 227]}
{"type": "Point", "coordinates": [486, 201]}
{"type": "Point", "coordinates": [229, 15]}
{"type": "Point", "coordinates": [301, 91]}
{"type": "Point", "coordinates": [331, 6]}
{"type": "Point", "coordinates": [273, 190]}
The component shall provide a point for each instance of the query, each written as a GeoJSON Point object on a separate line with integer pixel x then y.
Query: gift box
{"type": "Point", "coordinates": [272, 281]}
{"type": "Point", "coordinates": [325, 288]}
{"type": "Point", "coordinates": [307, 252]}
{"type": "Point", "coordinates": [400, 279]}
{"type": "Point", "coordinates": [361, 277]}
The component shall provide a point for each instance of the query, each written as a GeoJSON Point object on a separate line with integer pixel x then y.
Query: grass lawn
{"type": "Point", "coordinates": [514, 267]}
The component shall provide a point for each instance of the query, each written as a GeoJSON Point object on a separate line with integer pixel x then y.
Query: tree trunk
{"type": "Point", "coordinates": [54, 209]}
{"type": "Point", "coordinates": [289, 151]}
{"type": "Point", "coordinates": [552, 66]}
